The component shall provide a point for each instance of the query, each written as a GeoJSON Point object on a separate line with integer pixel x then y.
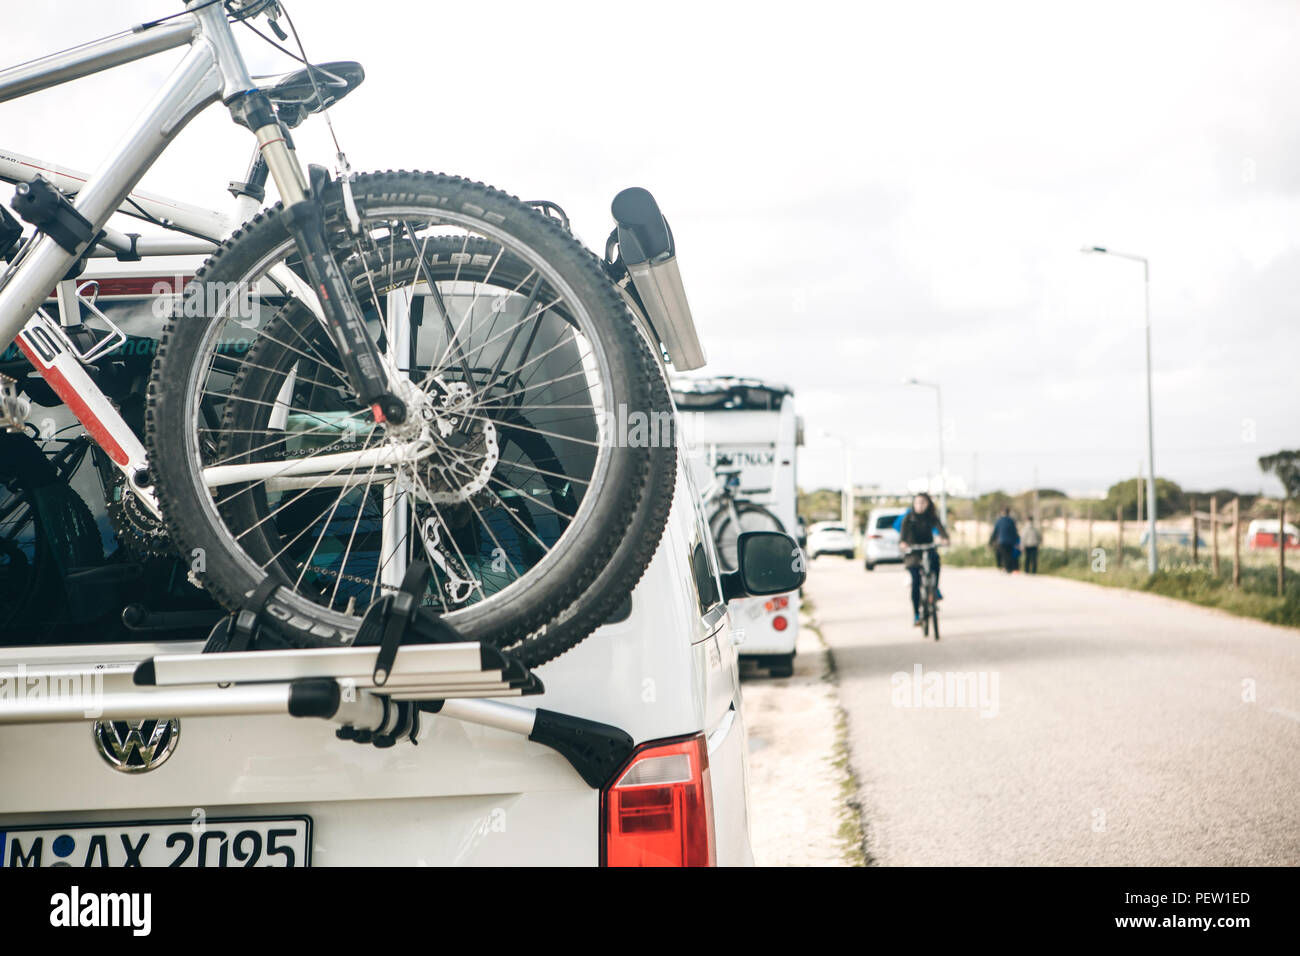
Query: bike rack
{"type": "Point", "coordinates": [407, 663]}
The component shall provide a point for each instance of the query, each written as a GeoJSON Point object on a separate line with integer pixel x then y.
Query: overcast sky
{"type": "Point", "coordinates": [860, 193]}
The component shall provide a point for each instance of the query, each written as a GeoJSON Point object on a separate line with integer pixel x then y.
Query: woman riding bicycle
{"type": "Point", "coordinates": [920, 526]}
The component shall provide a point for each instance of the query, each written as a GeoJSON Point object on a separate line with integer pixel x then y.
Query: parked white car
{"type": "Point", "coordinates": [830, 537]}
{"type": "Point", "coordinates": [880, 542]}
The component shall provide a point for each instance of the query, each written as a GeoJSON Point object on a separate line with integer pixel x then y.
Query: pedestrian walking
{"type": "Point", "coordinates": [1031, 538]}
{"type": "Point", "coordinates": [1007, 536]}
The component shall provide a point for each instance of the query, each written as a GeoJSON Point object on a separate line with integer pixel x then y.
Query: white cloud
{"type": "Point", "coordinates": [860, 192]}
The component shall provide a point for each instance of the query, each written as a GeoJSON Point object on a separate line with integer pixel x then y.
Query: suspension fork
{"type": "Point", "coordinates": [344, 321]}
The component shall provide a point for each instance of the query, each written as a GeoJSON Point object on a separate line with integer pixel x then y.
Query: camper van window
{"type": "Point", "coordinates": [738, 399]}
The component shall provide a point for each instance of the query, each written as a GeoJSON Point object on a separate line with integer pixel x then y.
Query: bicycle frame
{"type": "Point", "coordinates": [212, 69]}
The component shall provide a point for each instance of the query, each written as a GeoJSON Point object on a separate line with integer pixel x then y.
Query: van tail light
{"type": "Point", "coordinates": [659, 810]}
{"type": "Point", "coordinates": [777, 603]}
{"type": "Point", "coordinates": [875, 537]}
{"type": "Point", "coordinates": [780, 623]}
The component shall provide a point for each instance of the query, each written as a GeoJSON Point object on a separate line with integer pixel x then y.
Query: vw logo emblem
{"type": "Point", "coordinates": [136, 746]}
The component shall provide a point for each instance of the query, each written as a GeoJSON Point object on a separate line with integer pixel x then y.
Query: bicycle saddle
{"type": "Point", "coordinates": [294, 96]}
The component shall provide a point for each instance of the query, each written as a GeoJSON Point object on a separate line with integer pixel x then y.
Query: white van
{"type": "Point", "coordinates": [211, 790]}
{"type": "Point", "coordinates": [187, 779]}
{"type": "Point", "coordinates": [745, 431]}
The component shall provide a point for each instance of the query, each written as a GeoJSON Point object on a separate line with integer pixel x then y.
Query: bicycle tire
{"type": "Point", "coordinates": [63, 533]}
{"type": "Point", "coordinates": [626, 568]}
{"type": "Point", "coordinates": [617, 493]}
{"type": "Point", "coordinates": [751, 517]}
{"type": "Point", "coordinates": [29, 565]}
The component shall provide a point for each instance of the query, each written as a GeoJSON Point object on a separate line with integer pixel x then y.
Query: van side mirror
{"type": "Point", "coordinates": [768, 562]}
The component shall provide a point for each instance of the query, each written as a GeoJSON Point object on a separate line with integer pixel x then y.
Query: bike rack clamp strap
{"type": "Point", "coordinates": [399, 613]}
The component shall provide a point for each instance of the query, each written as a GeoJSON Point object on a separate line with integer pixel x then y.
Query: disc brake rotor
{"type": "Point", "coordinates": [464, 451]}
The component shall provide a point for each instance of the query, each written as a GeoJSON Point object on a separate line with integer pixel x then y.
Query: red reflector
{"type": "Point", "coordinates": [659, 810]}
{"type": "Point", "coordinates": [377, 411]}
{"type": "Point", "coordinates": [875, 537]}
{"type": "Point", "coordinates": [777, 603]}
{"type": "Point", "coordinates": [780, 623]}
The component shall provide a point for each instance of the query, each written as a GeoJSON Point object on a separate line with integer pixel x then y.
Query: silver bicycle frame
{"type": "Point", "coordinates": [212, 69]}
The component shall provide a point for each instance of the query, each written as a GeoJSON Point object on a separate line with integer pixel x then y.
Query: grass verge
{"type": "Point", "coordinates": [1177, 578]}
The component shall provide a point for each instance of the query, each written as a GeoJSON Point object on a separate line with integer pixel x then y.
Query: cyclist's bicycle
{"type": "Point", "coordinates": [730, 516]}
{"type": "Point", "coordinates": [929, 588]}
{"type": "Point", "coordinates": [381, 369]}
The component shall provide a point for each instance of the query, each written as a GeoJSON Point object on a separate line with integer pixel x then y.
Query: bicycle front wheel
{"type": "Point", "coordinates": [518, 362]}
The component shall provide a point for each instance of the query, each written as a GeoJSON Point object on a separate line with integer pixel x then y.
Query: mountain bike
{"type": "Point", "coordinates": [929, 588]}
{"type": "Point", "coordinates": [380, 369]}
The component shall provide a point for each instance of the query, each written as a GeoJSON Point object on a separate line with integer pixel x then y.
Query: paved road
{"type": "Point", "coordinates": [1117, 729]}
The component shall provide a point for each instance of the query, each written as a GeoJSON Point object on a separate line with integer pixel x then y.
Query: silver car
{"type": "Point", "coordinates": [880, 543]}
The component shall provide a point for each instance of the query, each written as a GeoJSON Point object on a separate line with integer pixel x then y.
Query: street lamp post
{"type": "Point", "coordinates": [943, 474]}
{"type": "Point", "coordinates": [846, 496]}
{"type": "Point", "coordinates": [1152, 560]}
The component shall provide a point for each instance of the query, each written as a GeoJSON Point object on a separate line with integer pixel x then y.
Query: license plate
{"type": "Point", "coordinates": [251, 841]}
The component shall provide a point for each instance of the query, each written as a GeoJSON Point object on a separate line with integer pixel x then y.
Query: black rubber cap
{"type": "Point", "coordinates": [314, 697]}
{"type": "Point", "coordinates": [643, 233]}
{"type": "Point", "coordinates": [595, 750]}
{"type": "Point", "coordinates": [144, 674]}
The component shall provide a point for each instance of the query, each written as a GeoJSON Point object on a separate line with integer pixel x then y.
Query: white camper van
{"type": "Point", "coordinates": [137, 748]}
{"type": "Point", "coordinates": [743, 435]}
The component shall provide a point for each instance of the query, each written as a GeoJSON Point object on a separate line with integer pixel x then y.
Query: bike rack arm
{"type": "Point", "coordinates": [143, 705]}
{"type": "Point", "coordinates": [649, 255]}
{"type": "Point", "coordinates": [595, 750]}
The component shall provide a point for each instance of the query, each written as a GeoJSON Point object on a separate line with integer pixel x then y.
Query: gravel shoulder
{"type": "Point", "coordinates": [803, 809]}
